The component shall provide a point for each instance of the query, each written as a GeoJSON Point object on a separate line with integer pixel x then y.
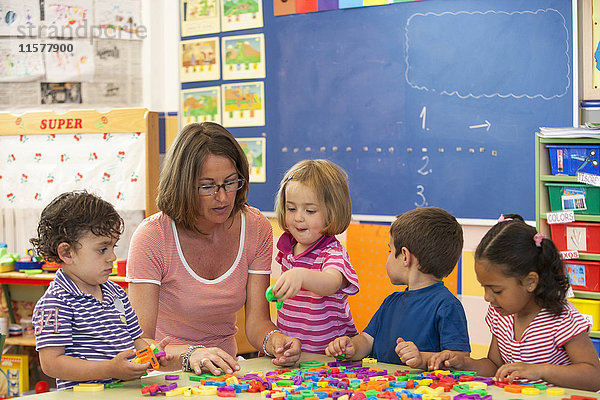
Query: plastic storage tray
{"type": "Point", "coordinates": [580, 236]}
{"type": "Point", "coordinates": [572, 192]}
{"type": "Point", "coordinates": [571, 159]}
{"type": "Point", "coordinates": [583, 275]}
{"type": "Point", "coordinates": [590, 308]}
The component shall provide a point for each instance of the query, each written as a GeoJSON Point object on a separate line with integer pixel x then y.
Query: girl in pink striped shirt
{"type": "Point", "coordinates": [537, 336]}
{"type": "Point", "coordinates": [313, 205]}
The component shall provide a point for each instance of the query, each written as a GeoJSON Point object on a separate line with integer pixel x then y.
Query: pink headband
{"type": "Point", "coordinates": [537, 238]}
{"type": "Point", "coordinates": [502, 219]}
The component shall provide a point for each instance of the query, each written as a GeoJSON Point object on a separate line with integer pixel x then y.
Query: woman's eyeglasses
{"type": "Point", "coordinates": [229, 186]}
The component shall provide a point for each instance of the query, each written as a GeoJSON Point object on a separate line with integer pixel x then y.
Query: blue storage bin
{"type": "Point", "coordinates": [596, 343]}
{"type": "Point", "coordinates": [571, 159]}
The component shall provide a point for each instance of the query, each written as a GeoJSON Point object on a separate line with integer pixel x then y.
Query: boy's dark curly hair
{"type": "Point", "coordinates": [70, 216]}
{"type": "Point", "coordinates": [510, 246]}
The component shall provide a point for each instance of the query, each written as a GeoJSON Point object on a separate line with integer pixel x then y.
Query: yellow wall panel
{"type": "Point", "coordinates": [470, 284]}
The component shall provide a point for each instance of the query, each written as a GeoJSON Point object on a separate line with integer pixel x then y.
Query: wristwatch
{"type": "Point", "coordinates": [185, 358]}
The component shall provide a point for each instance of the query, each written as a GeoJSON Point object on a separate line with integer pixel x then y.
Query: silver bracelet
{"type": "Point", "coordinates": [185, 357]}
{"type": "Point", "coordinates": [266, 340]}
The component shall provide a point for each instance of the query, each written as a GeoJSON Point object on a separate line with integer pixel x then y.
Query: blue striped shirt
{"type": "Point", "coordinates": [85, 327]}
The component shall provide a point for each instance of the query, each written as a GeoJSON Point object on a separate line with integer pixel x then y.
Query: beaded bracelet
{"type": "Point", "coordinates": [266, 340]}
{"type": "Point", "coordinates": [185, 357]}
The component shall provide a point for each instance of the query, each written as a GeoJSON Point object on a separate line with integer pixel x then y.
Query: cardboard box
{"type": "Point", "coordinates": [15, 370]}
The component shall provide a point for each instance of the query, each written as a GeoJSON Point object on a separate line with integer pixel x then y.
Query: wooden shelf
{"type": "Point", "coordinates": [580, 294]}
{"type": "Point", "coordinates": [43, 279]}
{"type": "Point", "coordinates": [20, 340]}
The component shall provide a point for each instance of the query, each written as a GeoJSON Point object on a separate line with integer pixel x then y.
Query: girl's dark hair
{"type": "Point", "coordinates": [510, 246]}
{"type": "Point", "coordinates": [70, 216]}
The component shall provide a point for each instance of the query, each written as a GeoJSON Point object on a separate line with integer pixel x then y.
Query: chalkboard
{"type": "Point", "coordinates": [424, 103]}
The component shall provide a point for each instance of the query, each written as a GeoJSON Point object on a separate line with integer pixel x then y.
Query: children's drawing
{"type": "Point", "coordinates": [63, 18]}
{"type": "Point", "coordinates": [255, 150]}
{"type": "Point", "coordinates": [201, 105]}
{"type": "Point", "coordinates": [244, 56]}
{"type": "Point", "coordinates": [243, 104]}
{"type": "Point", "coordinates": [200, 60]}
{"type": "Point", "coordinates": [241, 14]}
{"type": "Point", "coordinates": [199, 17]}
{"type": "Point", "coordinates": [61, 93]}
{"type": "Point", "coordinates": [18, 66]}
{"type": "Point", "coordinates": [66, 66]}
{"type": "Point", "coordinates": [117, 19]}
{"type": "Point", "coordinates": [19, 18]}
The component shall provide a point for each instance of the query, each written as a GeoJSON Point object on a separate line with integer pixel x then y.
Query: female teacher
{"type": "Point", "coordinates": [193, 265]}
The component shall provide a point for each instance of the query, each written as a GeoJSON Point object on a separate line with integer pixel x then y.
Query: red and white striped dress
{"type": "Point", "coordinates": [543, 340]}
{"type": "Point", "coordinates": [317, 320]}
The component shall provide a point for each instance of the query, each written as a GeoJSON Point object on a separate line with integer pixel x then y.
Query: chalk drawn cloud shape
{"type": "Point", "coordinates": [481, 54]}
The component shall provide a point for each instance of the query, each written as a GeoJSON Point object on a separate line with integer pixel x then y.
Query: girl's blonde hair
{"type": "Point", "coordinates": [330, 183]}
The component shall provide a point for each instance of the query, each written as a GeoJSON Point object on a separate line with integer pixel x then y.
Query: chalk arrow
{"type": "Point", "coordinates": [486, 125]}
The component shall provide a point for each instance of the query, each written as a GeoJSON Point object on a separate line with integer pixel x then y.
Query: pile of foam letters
{"type": "Point", "coordinates": [345, 380]}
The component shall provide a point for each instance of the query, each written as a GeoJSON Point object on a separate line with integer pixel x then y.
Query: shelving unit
{"type": "Point", "coordinates": [544, 175]}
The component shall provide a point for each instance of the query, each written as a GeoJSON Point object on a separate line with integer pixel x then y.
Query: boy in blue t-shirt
{"type": "Point", "coordinates": [85, 327]}
{"type": "Point", "coordinates": [426, 318]}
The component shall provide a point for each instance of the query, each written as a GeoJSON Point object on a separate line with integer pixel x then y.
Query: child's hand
{"type": "Point", "coordinates": [409, 353]}
{"type": "Point", "coordinates": [289, 284]}
{"type": "Point", "coordinates": [519, 370]}
{"type": "Point", "coordinates": [125, 370]}
{"type": "Point", "coordinates": [341, 345]}
{"type": "Point", "coordinates": [446, 359]}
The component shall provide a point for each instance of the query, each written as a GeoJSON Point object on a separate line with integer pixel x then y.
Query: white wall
{"type": "Point", "coordinates": [161, 55]}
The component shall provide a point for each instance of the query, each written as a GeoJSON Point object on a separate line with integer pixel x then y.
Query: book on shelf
{"type": "Point", "coordinates": [589, 130]}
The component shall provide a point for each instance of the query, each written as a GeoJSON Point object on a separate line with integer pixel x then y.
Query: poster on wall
{"type": "Point", "coordinates": [243, 56]}
{"type": "Point", "coordinates": [241, 14]}
{"type": "Point", "coordinates": [117, 78]}
{"type": "Point", "coordinates": [19, 17]}
{"type": "Point", "coordinates": [40, 167]}
{"type": "Point", "coordinates": [243, 104]}
{"type": "Point", "coordinates": [61, 93]}
{"type": "Point", "coordinates": [200, 17]}
{"type": "Point", "coordinates": [76, 63]}
{"type": "Point", "coordinates": [18, 65]}
{"type": "Point", "coordinates": [200, 60]}
{"type": "Point", "coordinates": [201, 105]}
{"type": "Point", "coordinates": [118, 19]}
{"type": "Point", "coordinates": [67, 18]}
{"type": "Point", "coordinates": [255, 150]}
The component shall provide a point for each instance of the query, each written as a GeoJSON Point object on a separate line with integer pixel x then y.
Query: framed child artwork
{"type": "Point", "coordinates": [201, 105]}
{"type": "Point", "coordinates": [243, 56]}
{"type": "Point", "coordinates": [200, 60]}
{"type": "Point", "coordinates": [243, 104]}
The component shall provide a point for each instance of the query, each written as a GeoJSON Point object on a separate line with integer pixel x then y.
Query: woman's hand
{"type": "Point", "coordinates": [213, 358]}
{"type": "Point", "coordinates": [339, 346]}
{"type": "Point", "coordinates": [285, 349]}
{"type": "Point", "coordinates": [164, 360]}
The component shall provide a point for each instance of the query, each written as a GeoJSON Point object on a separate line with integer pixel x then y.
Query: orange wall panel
{"type": "Point", "coordinates": [368, 250]}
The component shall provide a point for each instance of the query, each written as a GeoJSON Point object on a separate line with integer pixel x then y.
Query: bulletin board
{"type": "Point", "coordinates": [429, 103]}
{"type": "Point", "coordinates": [113, 154]}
